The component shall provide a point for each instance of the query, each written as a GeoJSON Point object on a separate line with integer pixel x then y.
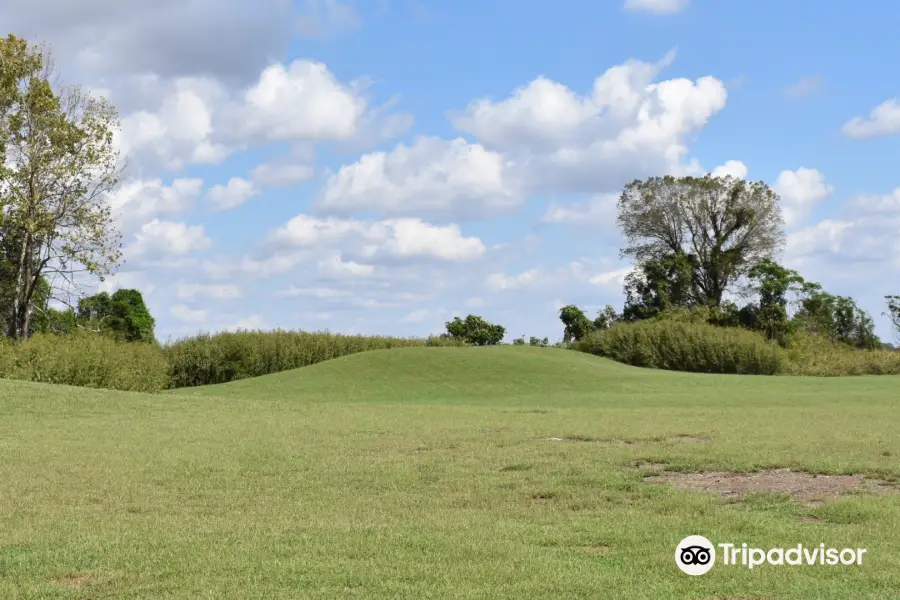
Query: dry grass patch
{"type": "Point", "coordinates": [808, 488]}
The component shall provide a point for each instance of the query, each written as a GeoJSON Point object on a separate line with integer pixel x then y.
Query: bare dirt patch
{"type": "Point", "coordinates": [587, 440]}
{"type": "Point", "coordinates": [79, 580]}
{"type": "Point", "coordinates": [600, 550]}
{"type": "Point", "coordinates": [689, 439]}
{"type": "Point", "coordinates": [808, 488]}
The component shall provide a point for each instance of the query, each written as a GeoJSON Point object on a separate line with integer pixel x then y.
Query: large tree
{"type": "Point", "coordinates": [60, 164]}
{"type": "Point", "coordinates": [893, 313]}
{"type": "Point", "coordinates": [720, 225]}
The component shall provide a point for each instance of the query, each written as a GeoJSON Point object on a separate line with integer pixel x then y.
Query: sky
{"type": "Point", "coordinates": [379, 167]}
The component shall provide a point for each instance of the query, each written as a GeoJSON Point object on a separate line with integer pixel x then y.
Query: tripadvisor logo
{"type": "Point", "coordinates": [696, 555]}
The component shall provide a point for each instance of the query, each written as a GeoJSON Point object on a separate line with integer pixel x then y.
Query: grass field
{"type": "Point", "coordinates": [426, 473]}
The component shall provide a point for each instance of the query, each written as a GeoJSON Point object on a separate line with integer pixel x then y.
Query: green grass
{"type": "Point", "coordinates": [421, 473]}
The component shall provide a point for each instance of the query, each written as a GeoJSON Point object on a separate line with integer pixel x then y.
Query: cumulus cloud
{"type": "Point", "coordinates": [199, 120]}
{"type": "Point", "coordinates": [158, 239]}
{"type": "Point", "coordinates": [658, 7]}
{"type": "Point", "coordinates": [392, 238]}
{"type": "Point", "coordinates": [233, 194]}
{"type": "Point", "coordinates": [137, 201]}
{"type": "Point", "coordinates": [732, 168]}
{"type": "Point", "coordinates": [800, 191]}
{"type": "Point", "coordinates": [884, 119]}
{"type": "Point", "coordinates": [431, 177]}
{"type": "Point", "coordinates": [627, 127]}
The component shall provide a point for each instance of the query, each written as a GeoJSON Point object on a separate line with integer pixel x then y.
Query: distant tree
{"type": "Point", "coordinates": [721, 226]}
{"type": "Point", "coordinates": [838, 318]}
{"type": "Point", "coordinates": [59, 162]}
{"type": "Point", "coordinates": [519, 341]}
{"type": "Point", "coordinates": [769, 314]}
{"type": "Point", "coordinates": [660, 284]}
{"type": "Point", "coordinates": [606, 318]}
{"type": "Point", "coordinates": [543, 343]}
{"type": "Point", "coordinates": [475, 330]}
{"type": "Point", "coordinates": [575, 322]}
{"type": "Point", "coordinates": [893, 304]}
{"type": "Point", "coordinates": [124, 315]}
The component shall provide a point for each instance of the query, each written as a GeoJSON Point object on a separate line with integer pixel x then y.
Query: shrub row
{"type": "Point", "coordinates": [87, 360]}
{"type": "Point", "coordinates": [224, 357]}
{"type": "Point", "coordinates": [686, 346]}
{"type": "Point", "coordinates": [682, 345]}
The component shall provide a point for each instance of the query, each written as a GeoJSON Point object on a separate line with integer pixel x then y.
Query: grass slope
{"type": "Point", "coordinates": [422, 473]}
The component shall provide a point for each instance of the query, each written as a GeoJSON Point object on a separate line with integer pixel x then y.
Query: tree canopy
{"type": "Point", "coordinates": [713, 227]}
{"type": "Point", "coordinates": [60, 163]}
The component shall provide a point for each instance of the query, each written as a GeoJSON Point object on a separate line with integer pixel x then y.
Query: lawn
{"type": "Point", "coordinates": [427, 473]}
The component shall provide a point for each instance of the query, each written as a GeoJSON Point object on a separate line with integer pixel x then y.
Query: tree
{"type": "Point", "coordinates": [893, 303]}
{"type": "Point", "coordinates": [606, 318]}
{"type": "Point", "coordinates": [660, 284]}
{"type": "Point", "coordinates": [60, 165]}
{"type": "Point", "coordinates": [575, 322]}
{"type": "Point", "coordinates": [475, 330]}
{"type": "Point", "coordinates": [836, 317]}
{"type": "Point", "coordinates": [721, 226]}
{"type": "Point", "coordinates": [123, 315]}
{"type": "Point", "coordinates": [771, 283]}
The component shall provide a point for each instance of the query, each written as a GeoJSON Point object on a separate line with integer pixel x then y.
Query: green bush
{"type": "Point", "coordinates": [686, 345]}
{"type": "Point", "coordinates": [223, 357]}
{"type": "Point", "coordinates": [810, 354]}
{"type": "Point", "coordinates": [85, 359]}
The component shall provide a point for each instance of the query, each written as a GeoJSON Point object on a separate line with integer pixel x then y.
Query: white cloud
{"type": "Point", "coordinates": [179, 132]}
{"type": "Point", "coordinates": [233, 194]}
{"type": "Point", "coordinates": [659, 7]}
{"type": "Point", "coordinates": [628, 127]}
{"type": "Point", "coordinates": [224, 291]}
{"type": "Point", "coordinates": [500, 282]}
{"type": "Point", "coordinates": [475, 302]}
{"type": "Point", "coordinates": [335, 266]}
{"type": "Point", "coordinates": [615, 278]}
{"type": "Point", "coordinates": [800, 191]}
{"type": "Point", "coordinates": [300, 101]}
{"type": "Point", "coordinates": [166, 238]}
{"type": "Point", "coordinates": [137, 201]}
{"type": "Point", "coordinates": [281, 175]}
{"type": "Point", "coordinates": [251, 323]}
{"type": "Point", "coordinates": [884, 204]}
{"type": "Point", "coordinates": [884, 119]}
{"type": "Point", "coordinates": [417, 316]}
{"type": "Point", "coordinates": [319, 293]}
{"type": "Point", "coordinates": [397, 238]}
{"type": "Point", "coordinates": [431, 177]}
{"type": "Point", "coordinates": [275, 264]}
{"type": "Point", "coordinates": [185, 313]}
{"type": "Point", "coordinates": [803, 88]}
{"type": "Point", "coordinates": [597, 211]}
{"type": "Point", "coordinates": [732, 168]}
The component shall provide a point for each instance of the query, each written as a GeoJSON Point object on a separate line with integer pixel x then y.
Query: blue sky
{"type": "Point", "coordinates": [379, 167]}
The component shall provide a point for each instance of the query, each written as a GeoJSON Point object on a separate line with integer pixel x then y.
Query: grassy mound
{"type": "Point", "coordinates": [429, 473]}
